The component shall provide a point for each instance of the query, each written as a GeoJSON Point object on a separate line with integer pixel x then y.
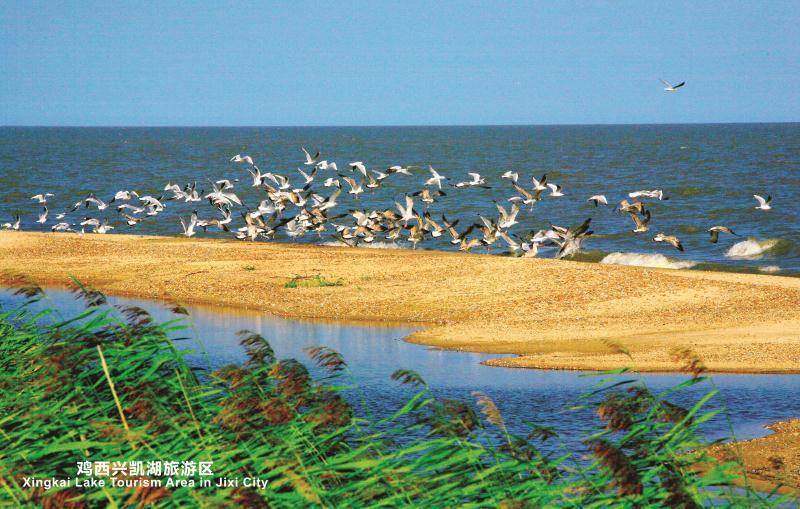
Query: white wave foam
{"type": "Point", "coordinates": [751, 249]}
{"type": "Point", "coordinates": [654, 260]}
{"type": "Point", "coordinates": [770, 269]}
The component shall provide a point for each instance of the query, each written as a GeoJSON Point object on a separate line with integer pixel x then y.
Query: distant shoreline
{"type": "Point", "coordinates": [390, 126]}
{"type": "Point", "coordinates": [551, 314]}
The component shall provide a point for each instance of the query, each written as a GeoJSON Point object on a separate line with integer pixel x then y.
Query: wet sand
{"type": "Point", "coordinates": [552, 314]}
{"type": "Point", "coordinates": [771, 460]}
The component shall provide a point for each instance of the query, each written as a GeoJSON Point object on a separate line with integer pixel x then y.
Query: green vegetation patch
{"type": "Point", "coordinates": [317, 281]}
{"type": "Point", "coordinates": [109, 385]}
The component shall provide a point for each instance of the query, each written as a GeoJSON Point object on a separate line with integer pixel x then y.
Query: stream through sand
{"type": "Point", "coordinates": [373, 352]}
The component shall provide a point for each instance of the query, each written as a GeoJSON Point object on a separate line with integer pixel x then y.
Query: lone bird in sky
{"type": "Point", "coordinates": [672, 88]}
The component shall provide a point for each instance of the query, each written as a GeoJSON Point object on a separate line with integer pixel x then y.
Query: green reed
{"type": "Point", "coordinates": [110, 385]}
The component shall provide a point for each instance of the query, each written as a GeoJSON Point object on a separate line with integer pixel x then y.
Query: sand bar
{"type": "Point", "coordinates": [770, 461]}
{"type": "Point", "coordinates": [552, 314]}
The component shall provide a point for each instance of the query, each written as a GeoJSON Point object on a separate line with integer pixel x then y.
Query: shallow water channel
{"type": "Point", "coordinates": [373, 352]}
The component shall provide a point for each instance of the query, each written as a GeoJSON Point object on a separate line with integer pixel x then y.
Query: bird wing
{"type": "Point", "coordinates": [523, 191]}
{"type": "Point", "coordinates": [679, 85]}
{"type": "Point", "coordinates": [760, 199]}
{"type": "Point", "coordinates": [350, 182]}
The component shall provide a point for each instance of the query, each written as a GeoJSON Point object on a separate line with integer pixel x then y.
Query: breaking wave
{"type": "Point", "coordinates": [653, 260]}
{"type": "Point", "coordinates": [753, 249]}
{"type": "Point", "coordinates": [770, 269]}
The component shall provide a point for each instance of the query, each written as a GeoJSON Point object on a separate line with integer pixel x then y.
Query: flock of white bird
{"type": "Point", "coordinates": [307, 208]}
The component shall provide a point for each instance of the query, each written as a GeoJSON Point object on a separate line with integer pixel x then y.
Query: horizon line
{"type": "Point", "coordinates": [296, 126]}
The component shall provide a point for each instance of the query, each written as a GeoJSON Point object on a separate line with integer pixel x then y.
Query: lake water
{"type": "Point", "coordinates": [374, 352]}
{"type": "Point", "coordinates": [710, 173]}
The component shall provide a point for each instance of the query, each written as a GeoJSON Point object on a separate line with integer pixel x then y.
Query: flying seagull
{"type": "Point", "coordinates": [655, 193]}
{"type": "Point", "coordinates": [672, 88]}
{"type": "Point", "coordinates": [716, 230]}
{"type": "Point", "coordinates": [555, 190]}
{"type": "Point", "coordinates": [513, 175]}
{"type": "Point", "coordinates": [762, 203]}
{"type": "Point", "coordinates": [598, 199]}
{"type": "Point", "coordinates": [477, 181]}
{"type": "Point", "coordinates": [310, 161]}
{"type": "Point", "coordinates": [41, 198]}
{"type": "Point", "coordinates": [43, 216]}
{"type": "Point", "coordinates": [12, 226]}
{"type": "Point", "coordinates": [436, 178]}
{"type": "Point", "coordinates": [238, 158]}
{"type": "Point", "coordinates": [669, 239]}
{"type": "Point", "coordinates": [641, 225]}
{"type": "Point", "coordinates": [188, 230]}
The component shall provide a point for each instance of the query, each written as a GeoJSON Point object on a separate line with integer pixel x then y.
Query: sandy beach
{"type": "Point", "coordinates": [551, 314]}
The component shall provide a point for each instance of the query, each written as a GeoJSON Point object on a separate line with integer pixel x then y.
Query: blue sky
{"type": "Point", "coordinates": [390, 63]}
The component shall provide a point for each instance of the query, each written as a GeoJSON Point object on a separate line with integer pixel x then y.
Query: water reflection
{"type": "Point", "coordinates": [374, 352]}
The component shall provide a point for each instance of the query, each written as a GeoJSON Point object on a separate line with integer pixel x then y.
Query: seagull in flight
{"type": "Point", "coordinates": [527, 198]}
{"type": "Point", "coordinates": [132, 221]}
{"type": "Point", "coordinates": [258, 177]}
{"type": "Point", "coordinates": [309, 177]}
{"type": "Point", "coordinates": [402, 170]}
{"type": "Point", "coordinates": [540, 185]}
{"type": "Point", "coordinates": [358, 165]}
{"type": "Point", "coordinates": [672, 88]}
{"type": "Point", "coordinates": [325, 165]}
{"type": "Point", "coordinates": [654, 193]}
{"type": "Point", "coordinates": [12, 226]}
{"type": "Point", "coordinates": [436, 178]}
{"type": "Point", "coordinates": [598, 199]}
{"type": "Point", "coordinates": [238, 158]}
{"type": "Point", "coordinates": [355, 187]}
{"type": "Point", "coordinates": [641, 224]}
{"type": "Point", "coordinates": [477, 181]}
{"type": "Point", "coordinates": [669, 239]}
{"type": "Point", "coordinates": [762, 203]}
{"type": "Point", "coordinates": [331, 181]}
{"type": "Point", "coordinates": [41, 198]}
{"type": "Point", "coordinates": [124, 196]}
{"type": "Point", "coordinates": [513, 175]}
{"type": "Point", "coordinates": [507, 219]}
{"type": "Point", "coordinates": [407, 212]}
{"type": "Point", "coordinates": [61, 227]}
{"type": "Point", "coordinates": [555, 190]}
{"type": "Point", "coordinates": [43, 216]}
{"type": "Point", "coordinates": [310, 161]}
{"type": "Point", "coordinates": [716, 230]}
{"type": "Point", "coordinates": [188, 229]}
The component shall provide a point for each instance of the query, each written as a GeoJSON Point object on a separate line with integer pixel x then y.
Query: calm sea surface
{"type": "Point", "coordinates": [710, 173]}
